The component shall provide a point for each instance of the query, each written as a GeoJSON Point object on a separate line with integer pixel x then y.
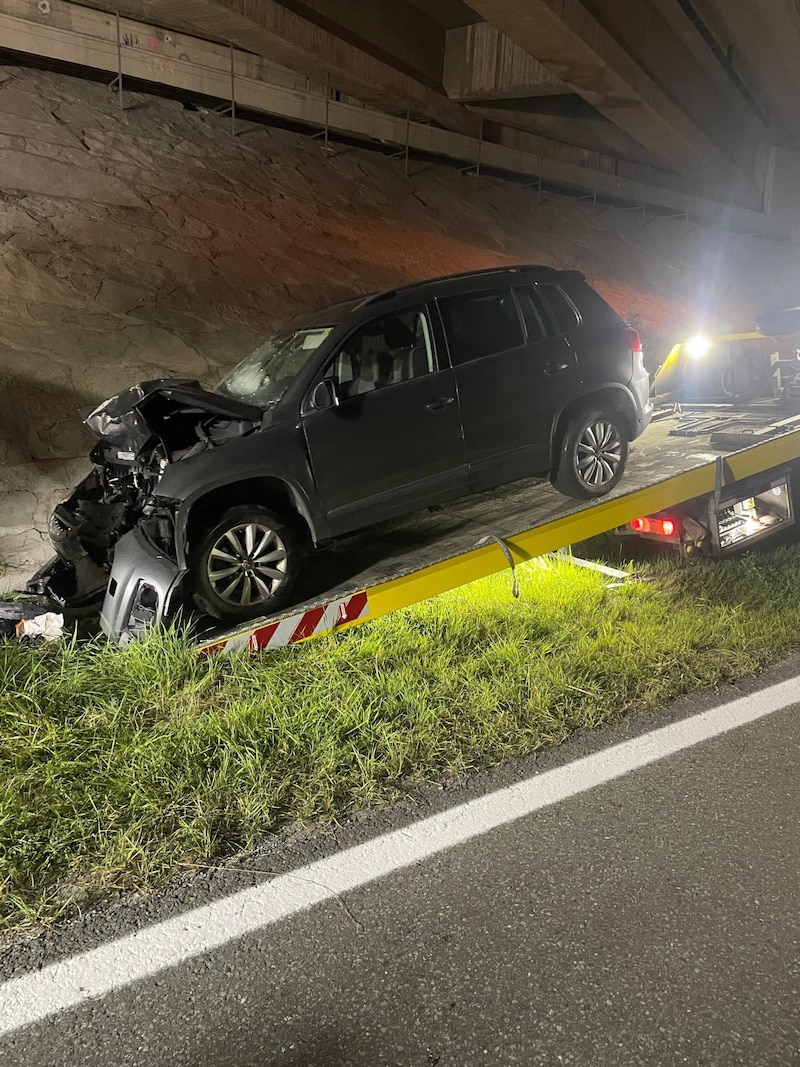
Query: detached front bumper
{"type": "Point", "coordinates": [144, 588]}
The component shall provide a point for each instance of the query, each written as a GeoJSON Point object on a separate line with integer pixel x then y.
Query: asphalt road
{"type": "Point", "coordinates": [651, 920]}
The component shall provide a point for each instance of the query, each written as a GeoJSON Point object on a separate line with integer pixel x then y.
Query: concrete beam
{"type": "Point", "coordinates": [83, 35]}
{"type": "Point", "coordinates": [397, 33]}
{"type": "Point", "coordinates": [569, 120]}
{"type": "Point", "coordinates": [764, 39]}
{"type": "Point", "coordinates": [480, 63]}
{"type": "Point", "coordinates": [691, 78]}
{"type": "Point", "coordinates": [448, 13]}
{"type": "Point", "coordinates": [282, 37]}
{"type": "Point", "coordinates": [567, 38]}
{"type": "Point", "coordinates": [654, 180]}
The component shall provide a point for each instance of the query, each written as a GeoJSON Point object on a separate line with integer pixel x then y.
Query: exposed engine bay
{"type": "Point", "coordinates": [141, 432]}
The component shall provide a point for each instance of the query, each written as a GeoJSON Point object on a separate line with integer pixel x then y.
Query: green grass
{"type": "Point", "coordinates": [120, 767]}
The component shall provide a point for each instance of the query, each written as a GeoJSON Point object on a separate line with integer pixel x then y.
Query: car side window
{"type": "Point", "coordinates": [481, 324]}
{"type": "Point", "coordinates": [538, 321]}
{"type": "Point", "coordinates": [564, 314]}
{"type": "Point", "coordinates": [386, 351]}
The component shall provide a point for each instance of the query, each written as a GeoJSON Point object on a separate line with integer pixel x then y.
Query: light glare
{"type": "Point", "coordinates": [698, 346]}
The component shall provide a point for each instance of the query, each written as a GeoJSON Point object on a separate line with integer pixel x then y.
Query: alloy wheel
{"type": "Point", "coordinates": [247, 564]}
{"type": "Point", "coordinates": [599, 453]}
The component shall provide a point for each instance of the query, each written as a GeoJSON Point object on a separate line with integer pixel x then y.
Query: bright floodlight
{"type": "Point", "coordinates": [698, 346]}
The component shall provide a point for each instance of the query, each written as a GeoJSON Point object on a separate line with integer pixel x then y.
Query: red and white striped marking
{"type": "Point", "coordinates": [309, 623]}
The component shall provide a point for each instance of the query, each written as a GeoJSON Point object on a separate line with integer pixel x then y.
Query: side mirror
{"type": "Point", "coordinates": [324, 395]}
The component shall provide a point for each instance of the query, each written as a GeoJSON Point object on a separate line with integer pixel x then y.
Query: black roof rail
{"type": "Point", "coordinates": [512, 268]}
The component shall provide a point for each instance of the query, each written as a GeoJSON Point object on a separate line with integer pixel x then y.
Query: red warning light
{"type": "Point", "coordinates": [659, 527]}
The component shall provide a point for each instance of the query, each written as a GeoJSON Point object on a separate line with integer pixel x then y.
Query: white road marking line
{"type": "Point", "coordinates": [69, 983]}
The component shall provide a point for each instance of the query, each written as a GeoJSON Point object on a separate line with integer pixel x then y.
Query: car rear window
{"type": "Point", "coordinates": [481, 324]}
{"type": "Point", "coordinates": [594, 310]}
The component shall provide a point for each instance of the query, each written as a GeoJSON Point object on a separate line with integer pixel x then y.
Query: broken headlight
{"type": "Point", "coordinates": [158, 526]}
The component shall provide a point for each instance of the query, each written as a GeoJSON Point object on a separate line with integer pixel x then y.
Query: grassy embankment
{"type": "Point", "coordinates": [120, 767]}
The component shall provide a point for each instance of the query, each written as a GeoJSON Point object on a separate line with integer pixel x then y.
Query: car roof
{"type": "Point", "coordinates": [333, 314]}
{"type": "Point", "coordinates": [448, 281]}
{"type": "Point", "coordinates": [330, 315]}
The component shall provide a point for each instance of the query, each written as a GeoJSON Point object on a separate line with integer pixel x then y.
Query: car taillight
{"type": "Point", "coordinates": [632, 339]}
{"type": "Point", "coordinates": [659, 527]}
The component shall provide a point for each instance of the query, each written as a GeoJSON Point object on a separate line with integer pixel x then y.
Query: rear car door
{"type": "Point", "coordinates": [514, 370]}
{"type": "Point", "coordinates": [394, 442]}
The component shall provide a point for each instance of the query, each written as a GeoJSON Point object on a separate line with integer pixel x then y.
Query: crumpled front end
{"type": "Point", "coordinates": [114, 537]}
{"type": "Point", "coordinates": [86, 526]}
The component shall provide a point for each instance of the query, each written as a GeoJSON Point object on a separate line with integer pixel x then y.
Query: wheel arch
{"type": "Point", "coordinates": [612, 398]}
{"type": "Point", "coordinates": [268, 492]}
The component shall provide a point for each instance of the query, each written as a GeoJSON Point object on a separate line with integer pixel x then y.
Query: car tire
{"type": "Point", "coordinates": [593, 454]}
{"type": "Point", "coordinates": [247, 565]}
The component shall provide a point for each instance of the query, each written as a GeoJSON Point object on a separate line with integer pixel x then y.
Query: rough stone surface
{"type": "Point", "coordinates": [149, 242]}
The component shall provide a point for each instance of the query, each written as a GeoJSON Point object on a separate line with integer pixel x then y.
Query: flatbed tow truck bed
{"type": "Point", "coordinates": [404, 562]}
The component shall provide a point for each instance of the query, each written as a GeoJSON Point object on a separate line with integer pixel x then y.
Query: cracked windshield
{"type": "Point", "coordinates": [263, 377]}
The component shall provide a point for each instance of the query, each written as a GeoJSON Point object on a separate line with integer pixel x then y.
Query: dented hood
{"type": "Point", "coordinates": [167, 408]}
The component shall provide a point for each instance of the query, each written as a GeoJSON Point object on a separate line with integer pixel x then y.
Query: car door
{"type": "Point", "coordinates": [514, 370]}
{"type": "Point", "coordinates": [393, 444]}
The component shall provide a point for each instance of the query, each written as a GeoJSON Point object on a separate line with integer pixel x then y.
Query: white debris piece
{"type": "Point", "coordinates": [48, 626]}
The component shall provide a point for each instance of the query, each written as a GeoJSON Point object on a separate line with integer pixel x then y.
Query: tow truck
{"type": "Point", "coordinates": [714, 473]}
{"type": "Point", "coordinates": [734, 391]}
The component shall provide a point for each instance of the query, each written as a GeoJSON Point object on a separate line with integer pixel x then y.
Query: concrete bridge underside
{"type": "Point", "coordinates": [692, 97]}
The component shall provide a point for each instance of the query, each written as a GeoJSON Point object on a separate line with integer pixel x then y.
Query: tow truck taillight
{"type": "Point", "coordinates": [659, 527]}
{"type": "Point", "coordinates": [632, 339]}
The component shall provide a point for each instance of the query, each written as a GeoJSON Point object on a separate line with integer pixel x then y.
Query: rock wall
{"type": "Point", "coordinates": [150, 242]}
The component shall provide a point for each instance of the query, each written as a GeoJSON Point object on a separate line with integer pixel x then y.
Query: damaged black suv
{"type": "Point", "coordinates": [354, 414]}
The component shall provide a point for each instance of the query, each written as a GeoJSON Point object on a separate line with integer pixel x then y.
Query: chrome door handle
{"type": "Point", "coordinates": [440, 402]}
{"type": "Point", "coordinates": [555, 368]}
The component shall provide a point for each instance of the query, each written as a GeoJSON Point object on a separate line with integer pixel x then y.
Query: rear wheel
{"type": "Point", "coordinates": [247, 564]}
{"type": "Point", "coordinates": [593, 454]}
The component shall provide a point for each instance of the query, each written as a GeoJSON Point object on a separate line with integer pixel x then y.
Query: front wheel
{"type": "Point", "coordinates": [246, 565]}
{"type": "Point", "coordinates": [593, 455]}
